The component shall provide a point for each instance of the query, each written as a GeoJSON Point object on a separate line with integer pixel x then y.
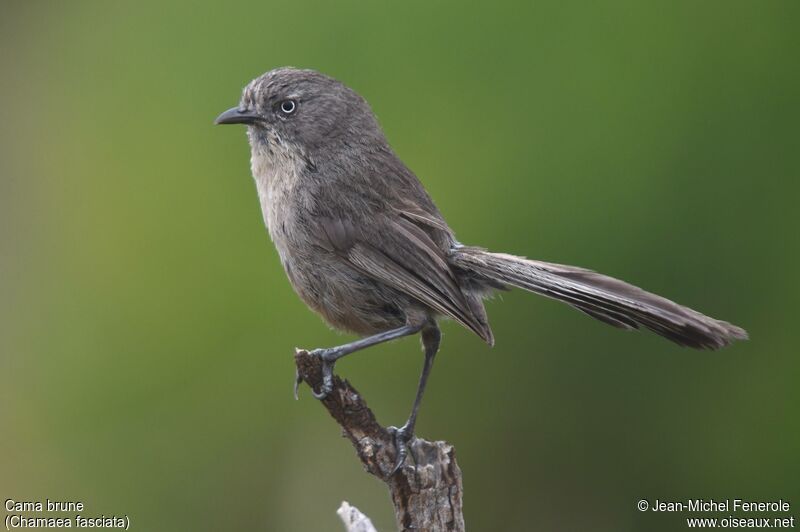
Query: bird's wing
{"type": "Point", "coordinates": [396, 251]}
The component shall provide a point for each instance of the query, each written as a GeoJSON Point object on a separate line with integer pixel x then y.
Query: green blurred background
{"type": "Point", "coordinates": [148, 330]}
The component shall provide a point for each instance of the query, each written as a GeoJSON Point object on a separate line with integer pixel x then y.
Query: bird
{"type": "Point", "coordinates": [363, 244]}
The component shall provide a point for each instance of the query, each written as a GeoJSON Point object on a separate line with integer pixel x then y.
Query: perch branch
{"type": "Point", "coordinates": [426, 491]}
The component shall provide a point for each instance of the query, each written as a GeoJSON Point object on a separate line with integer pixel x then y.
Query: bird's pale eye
{"type": "Point", "coordinates": [288, 107]}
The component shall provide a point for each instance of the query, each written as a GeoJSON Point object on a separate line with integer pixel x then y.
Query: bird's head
{"type": "Point", "coordinates": [291, 108]}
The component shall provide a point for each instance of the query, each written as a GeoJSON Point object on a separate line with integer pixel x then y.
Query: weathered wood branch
{"type": "Point", "coordinates": [427, 491]}
{"type": "Point", "coordinates": [353, 519]}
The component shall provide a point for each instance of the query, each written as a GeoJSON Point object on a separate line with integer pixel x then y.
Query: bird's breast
{"type": "Point", "coordinates": [277, 174]}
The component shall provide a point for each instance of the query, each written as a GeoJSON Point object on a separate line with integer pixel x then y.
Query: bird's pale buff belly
{"type": "Point", "coordinates": [319, 277]}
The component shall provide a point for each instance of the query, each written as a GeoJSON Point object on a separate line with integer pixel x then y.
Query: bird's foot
{"type": "Point", "coordinates": [328, 359]}
{"type": "Point", "coordinates": [401, 436]}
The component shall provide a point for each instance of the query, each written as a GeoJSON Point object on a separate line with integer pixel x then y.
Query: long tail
{"type": "Point", "coordinates": [604, 298]}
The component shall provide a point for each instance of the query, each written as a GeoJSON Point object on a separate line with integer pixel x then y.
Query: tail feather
{"type": "Point", "coordinates": [604, 298]}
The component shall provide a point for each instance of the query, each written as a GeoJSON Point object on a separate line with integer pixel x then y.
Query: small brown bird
{"type": "Point", "coordinates": [364, 245]}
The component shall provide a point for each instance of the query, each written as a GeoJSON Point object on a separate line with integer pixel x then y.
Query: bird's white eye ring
{"type": "Point", "coordinates": [288, 106]}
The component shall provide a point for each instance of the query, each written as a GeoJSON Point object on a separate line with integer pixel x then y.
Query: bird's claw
{"type": "Point", "coordinates": [327, 375]}
{"type": "Point", "coordinates": [401, 436]}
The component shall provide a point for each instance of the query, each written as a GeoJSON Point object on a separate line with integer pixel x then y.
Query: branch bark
{"type": "Point", "coordinates": [427, 491]}
{"type": "Point", "coordinates": [353, 519]}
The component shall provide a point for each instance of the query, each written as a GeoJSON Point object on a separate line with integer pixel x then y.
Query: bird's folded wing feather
{"type": "Point", "coordinates": [399, 253]}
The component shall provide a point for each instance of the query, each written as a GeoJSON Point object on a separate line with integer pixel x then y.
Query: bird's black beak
{"type": "Point", "coordinates": [237, 116]}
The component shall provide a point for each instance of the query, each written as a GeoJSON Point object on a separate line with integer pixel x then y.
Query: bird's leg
{"type": "Point", "coordinates": [330, 355]}
{"type": "Point", "coordinates": [431, 336]}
